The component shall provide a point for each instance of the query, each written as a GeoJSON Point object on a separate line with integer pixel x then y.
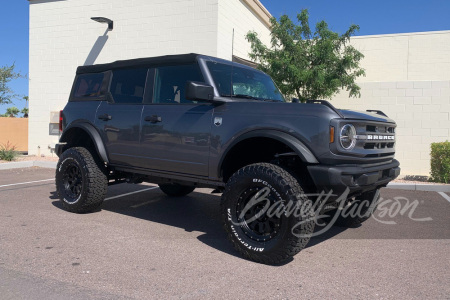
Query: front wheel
{"type": "Point", "coordinates": [266, 214]}
{"type": "Point", "coordinates": [81, 181]}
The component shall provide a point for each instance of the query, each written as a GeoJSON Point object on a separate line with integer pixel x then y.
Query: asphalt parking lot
{"type": "Point", "coordinates": [143, 244]}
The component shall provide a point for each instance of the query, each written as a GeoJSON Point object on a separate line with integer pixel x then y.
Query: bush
{"type": "Point", "coordinates": [440, 162]}
{"type": "Point", "coordinates": [8, 152]}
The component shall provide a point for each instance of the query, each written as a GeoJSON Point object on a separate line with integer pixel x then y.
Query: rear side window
{"type": "Point", "coordinates": [88, 85]}
{"type": "Point", "coordinates": [127, 86]}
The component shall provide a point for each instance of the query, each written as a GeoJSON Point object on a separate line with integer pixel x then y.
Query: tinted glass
{"type": "Point", "coordinates": [247, 83]}
{"type": "Point", "coordinates": [88, 85]}
{"type": "Point", "coordinates": [170, 83]}
{"type": "Point", "coordinates": [127, 86]}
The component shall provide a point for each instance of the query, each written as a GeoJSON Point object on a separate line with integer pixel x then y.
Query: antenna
{"type": "Point", "coordinates": [232, 64]}
{"type": "Point", "coordinates": [232, 46]}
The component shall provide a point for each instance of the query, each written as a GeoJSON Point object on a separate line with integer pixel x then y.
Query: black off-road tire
{"type": "Point", "coordinates": [176, 190]}
{"type": "Point", "coordinates": [359, 210]}
{"type": "Point", "coordinates": [84, 190]}
{"type": "Point", "coordinates": [288, 234]}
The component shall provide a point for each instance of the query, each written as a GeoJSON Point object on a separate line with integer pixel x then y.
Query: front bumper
{"type": "Point", "coordinates": [358, 179]}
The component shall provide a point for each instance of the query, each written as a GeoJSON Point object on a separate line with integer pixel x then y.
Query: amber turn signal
{"type": "Point", "coordinates": [331, 134]}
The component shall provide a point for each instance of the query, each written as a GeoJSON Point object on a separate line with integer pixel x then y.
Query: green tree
{"type": "Point", "coordinates": [7, 74]}
{"type": "Point", "coordinates": [306, 64]}
{"type": "Point", "coordinates": [11, 112]}
{"type": "Point", "coordinates": [24, 111]}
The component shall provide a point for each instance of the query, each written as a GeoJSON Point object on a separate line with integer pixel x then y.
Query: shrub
{"type": "Point", "coordinates": [440, 162]}
{"type": "Point", "coordinates": [8, 152]}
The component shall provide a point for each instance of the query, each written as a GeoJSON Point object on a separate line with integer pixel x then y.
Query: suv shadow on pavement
{"type": "Point", "coordinates": [195, 212]}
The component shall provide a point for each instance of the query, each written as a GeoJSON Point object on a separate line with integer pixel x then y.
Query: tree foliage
{"type": "Point", "coordinates": [7, 74]}
{"type": "Point", "coordinates": [25, 111]}
{"type": "Point", "coordinates": [306, 64]}
{"type": "Point", "coordinates": [11, 112]}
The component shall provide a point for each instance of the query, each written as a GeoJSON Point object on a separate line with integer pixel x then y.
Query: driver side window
{"type": "Point", "coordinates": [170, 83]}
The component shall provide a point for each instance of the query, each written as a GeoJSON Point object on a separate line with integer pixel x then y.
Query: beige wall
{"type": "Point", "coordinates": [14, 131]}
{"type": "Point", "coordinates": [404, 57]}
{"type": "Point", "coordinates": [408, 78]}
{"type": "Point", "coordinates": [241, 16]}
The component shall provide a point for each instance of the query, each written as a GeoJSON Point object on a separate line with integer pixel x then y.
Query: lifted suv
{"type": "Point", "coordinates": [188, 121]}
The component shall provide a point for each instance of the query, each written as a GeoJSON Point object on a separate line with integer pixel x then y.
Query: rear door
{"type": "Point", "coordinates": [176, 131]}
{"type": "Point", "coordinates": [119, 120]}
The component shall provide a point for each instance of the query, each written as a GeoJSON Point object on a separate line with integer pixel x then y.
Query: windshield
{"type": "Point", "coordinates": [247, 83]}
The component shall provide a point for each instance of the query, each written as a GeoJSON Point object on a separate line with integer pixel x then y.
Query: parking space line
{"type": "Point", "coordinates": [446, 197]}
{"type": "Point", "coordinates": [142, 204]}
{"type": "Point", "coordinates": [12, 184]}
{"type": "Point", "coordinates": [131, 193]}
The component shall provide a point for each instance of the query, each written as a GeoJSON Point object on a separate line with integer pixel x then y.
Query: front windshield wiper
{"type": "Point", "coordinates": [251, 97]}
{"type": "Point", "coordinates": [241, 96]}
{"type": "Point", "coordinates": [271, 100]}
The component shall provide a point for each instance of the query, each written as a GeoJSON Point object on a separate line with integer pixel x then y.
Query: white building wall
{"type": "Point", "coordinates": [62, 37]}
{"type": "Point", "coordinates": [239, 15]}
{"type": "Point", "coordinates": [408, 78]}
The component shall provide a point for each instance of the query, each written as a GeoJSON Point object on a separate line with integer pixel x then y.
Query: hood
{"type": "Point", "coordinates": [364, 115]}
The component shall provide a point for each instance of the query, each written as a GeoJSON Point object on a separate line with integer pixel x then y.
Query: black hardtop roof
{"type": "Point", "coordinates": [149, 61]}
{"type": "Point", "coordinates": [139, 62]}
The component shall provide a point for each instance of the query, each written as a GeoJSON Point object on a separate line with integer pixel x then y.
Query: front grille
{"type": "Point", "coordinates": [376, 139]}
{"type": "Point", "coordinates": [378, 145]}
{"type": "Point", "coordinates": [380, 129]}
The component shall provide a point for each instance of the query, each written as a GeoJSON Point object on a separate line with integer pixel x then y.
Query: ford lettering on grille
{"type": "Point", "coordinates": [381, 137]}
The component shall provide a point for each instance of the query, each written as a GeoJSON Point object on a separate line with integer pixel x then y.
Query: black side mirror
{"type": "Point", "coordinates": [199, 91]}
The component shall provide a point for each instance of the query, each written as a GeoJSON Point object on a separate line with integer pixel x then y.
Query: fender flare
{"type": "Point", "coordinates": [94, 135]}
{"type": "Point", "coordinates": [294, 143]}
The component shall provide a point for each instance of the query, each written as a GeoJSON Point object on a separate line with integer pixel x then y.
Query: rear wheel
{"type": "Point", "coordinates": [266, 214]}
{"type": "Point", "coordinates": [81, 181]}
{"type": "Point", "coordinates": [358, 210]}
{"type": "Point", "coordinates": [176, 190]}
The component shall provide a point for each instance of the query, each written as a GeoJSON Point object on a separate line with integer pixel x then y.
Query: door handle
{"type": "Point", "coordinates": [105, 117]}
{"type": "Point", "coordinates": [153, 119]}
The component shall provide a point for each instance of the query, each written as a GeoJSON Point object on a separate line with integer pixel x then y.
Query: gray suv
{"type": "Point", "coordinates": [187, 121]}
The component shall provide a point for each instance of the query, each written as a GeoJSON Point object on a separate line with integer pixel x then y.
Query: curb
{"type": "Point", "coordinates": [28, 164]}
{"type": "Point", "coordinates": [420, 187]}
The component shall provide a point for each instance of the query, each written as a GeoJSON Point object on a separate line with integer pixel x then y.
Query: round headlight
{"type": "Point", "coordinates": [347, 137]}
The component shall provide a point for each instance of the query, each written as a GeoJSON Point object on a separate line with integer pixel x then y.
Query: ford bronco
{"type": "Point", "coordinates": [189, 121]}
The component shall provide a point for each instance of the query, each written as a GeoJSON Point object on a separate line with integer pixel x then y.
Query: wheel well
{"type": "Point", "coordinates": [77, 137]}
{"type": "Point", "coordinates": [261, 149]}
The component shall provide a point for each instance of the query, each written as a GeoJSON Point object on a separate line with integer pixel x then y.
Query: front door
{"type": "Point", "coordinates": [119, 120]}
{"type": "Point", "coordinates": [176, 131]}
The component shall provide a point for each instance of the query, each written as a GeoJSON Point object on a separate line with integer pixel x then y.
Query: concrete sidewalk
{"type": "Point", "coordinates": [28, 164]}
{"type": "Point", "coordinates": [420, 187]}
